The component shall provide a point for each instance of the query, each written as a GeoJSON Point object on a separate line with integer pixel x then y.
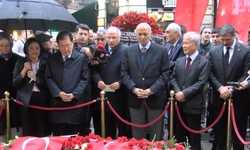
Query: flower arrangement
{"type": "Point", "coordinates": [129, 20]}
{"type": "Point", "coordinates": [92, 142]}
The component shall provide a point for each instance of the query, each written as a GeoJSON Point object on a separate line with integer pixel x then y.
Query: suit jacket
{"type": "Point", "coordinates": [192, 83]}
{"type": "Point", "coordinates": [237, 72]}
{"type": "Point", "coordinates": [24, 87]}
{"type": "Point", "coordinates": [6, 75]}
{"type": "Point", "coordinates": [109, 73]}
{"type": "Point", "coordinates": [154, 75]}
{"type": "Point", "coordinates": [71, 76]}
{"type": "Point", "coordinates": [176, 53]}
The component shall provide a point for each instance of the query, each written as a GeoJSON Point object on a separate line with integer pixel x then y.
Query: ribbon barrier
{"type": "Point", "coordinates": [57, 108]}
{"type": "Point", "coordinates": [229, 123]}
{"type": "Point", "coordinates": [230, 111]}
{"type": "Point", "coordinates": [5, 102]}
{"type": "Point", "coordinates": [236, 129]}
{"type": "Point", "coordinates": [194, 131]}
{"type": "Point", "coordinates": [102, 113]}
{"type": "Point", "coordinates": [171, 119]}
{"type": "Point", "coordinates": [137, 125]}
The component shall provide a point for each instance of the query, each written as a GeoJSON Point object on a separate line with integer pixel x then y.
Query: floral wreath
{"type": "Point", "coordinates": [129, 20]}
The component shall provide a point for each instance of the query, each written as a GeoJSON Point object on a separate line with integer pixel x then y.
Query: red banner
{"type": "Point", "coordinates": [190, 13]}
{"type": "Point", "coordinates": [237, 13]}
{"type": "Point", "coordinates": [35, 143]}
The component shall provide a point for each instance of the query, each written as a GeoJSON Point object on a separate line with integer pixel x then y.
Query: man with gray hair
{"type": "Point", "coordinates": [109, 75]}
{"type": "Point", "coordinates": [101, 36]}
{"type": "Point", "coordinates": [189, 76]}
{"type": "Point", "coordinates": [229, 62]}
{"type": "Point", "coordinates": [174, 43]}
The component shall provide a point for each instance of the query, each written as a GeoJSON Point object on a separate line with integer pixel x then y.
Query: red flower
{"type": "Point", "coordinates": [180, 147]}
{"type": "Point", "coordinates": [129, 20]}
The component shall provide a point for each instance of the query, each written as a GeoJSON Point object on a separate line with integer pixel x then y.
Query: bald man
{"type": "Point", "coordinates": [145, 71]}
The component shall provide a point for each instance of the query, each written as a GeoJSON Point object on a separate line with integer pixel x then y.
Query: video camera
{"type": "Point", "coordinates": [99, 54]}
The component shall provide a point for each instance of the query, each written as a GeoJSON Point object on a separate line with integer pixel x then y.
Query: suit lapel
{"type": "Point", "coordinates": [41, 66]}
{"type": "Point", "coordinates": [151, 51]}
{"type": "Point", "coordinates": [175, 50]}
{"type": "Point", "coordinates": [137, 55]}
{"type": "Point", "coordinates": [234, 57]}
{"type": "Point", "coordinates": [182, 69]}
{"type": "Point", "coordinates": [219, 58]}
{"type": "Point", "coordinates": [192, 67]}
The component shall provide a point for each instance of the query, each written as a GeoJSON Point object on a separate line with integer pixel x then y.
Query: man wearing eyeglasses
{"type": "Point", "coordinates": [101, 36]}
{"type": "Point", "coordinates": [109, 75]}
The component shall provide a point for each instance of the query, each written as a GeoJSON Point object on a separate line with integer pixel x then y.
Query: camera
{"type": "Point", "coordinates": [99, 54]}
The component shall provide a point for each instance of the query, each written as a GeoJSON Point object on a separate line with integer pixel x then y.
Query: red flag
{"type": "Point", "coordinates": [237, 13]}
{"type": "Point", "coordinates": [190, 13]}
{"type": "Point", "coordinates": [46, 143]}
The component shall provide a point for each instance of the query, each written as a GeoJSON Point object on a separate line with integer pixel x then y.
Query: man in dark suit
{"type": "Point", "coordinates": [189, 76]}
{"type": "Point", "coordinates": [145, 71]}
{"type": "Point", "coordinates": [229, 61]}
{"type": "Point", "coordinates": [109, 74]}
{"type": "Point", "coordinates": [174, 43]}
{"type": "Point", "coordinates": [67, 78]}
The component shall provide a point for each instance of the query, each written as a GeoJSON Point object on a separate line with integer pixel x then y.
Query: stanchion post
{"type": "Point", "coordinates": [7, 94]}
{"type": "Point", "coordinates": [171, 125]}
{"type": "Point", "coordinates": [229, 124]}
{"type": "Point", "coordinates": [102, 113]}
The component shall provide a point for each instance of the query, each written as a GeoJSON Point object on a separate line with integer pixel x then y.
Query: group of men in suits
{"type": "Point", "coordinates": [142, 73]}
{"type": "Point", "coordinates": [225, 62]}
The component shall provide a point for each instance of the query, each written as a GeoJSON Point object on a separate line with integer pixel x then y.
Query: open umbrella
{"type": "Point", "coordinates": [34, 15]}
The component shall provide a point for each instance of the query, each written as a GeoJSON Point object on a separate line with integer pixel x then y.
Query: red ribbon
{"type": "Point", "coordinates": [194, 131]}
{"type": "Point", "coordinates": [1, 110]}
{"type": "Point", "coordinates": [57, 108]}
{"type": "Point", "coordinates": [236, 129]}
{"type": "Point", "coordinates": [136, 125]}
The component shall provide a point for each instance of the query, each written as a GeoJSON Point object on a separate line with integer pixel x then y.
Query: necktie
{"type": "Point", "coordinates": [188, 64]}
{"type": "Point", "coordinates": [143, 49]}
{"type": "Point", "coordinates": [66, 58]}
{"type": "Point", "coordinates": [111, 51]}
{"type": "Point", "coordinates": [227, 57]}
{"type": "Point", "coordinates": [170, 51]}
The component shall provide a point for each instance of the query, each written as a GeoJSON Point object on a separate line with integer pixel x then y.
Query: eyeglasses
{"type": "Point", "coordinates": [112, 37]}
{"type": "Point", "coordinates": [101, 39]}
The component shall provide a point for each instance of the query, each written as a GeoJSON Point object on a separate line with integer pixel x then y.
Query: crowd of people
{"type": "Point", "coordinates": [197, 66]}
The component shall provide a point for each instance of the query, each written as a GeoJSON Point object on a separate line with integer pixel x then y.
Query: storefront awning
{"type": "Point", "coordinates": [88, 15]}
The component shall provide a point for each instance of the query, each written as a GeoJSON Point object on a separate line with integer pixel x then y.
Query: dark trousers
{"type": "Point", "coordinates": [36, 122]}
{"type": "Point", "coordinates": [220, 129]}
{"type": "Point", "coordinates": [68, 129]}
{"type": "Point", "coordinates": [112, 123]}
{"type": "Point", "coordinates": [145, 115]}
{"type": "Point", "coordinates": [193, 121]}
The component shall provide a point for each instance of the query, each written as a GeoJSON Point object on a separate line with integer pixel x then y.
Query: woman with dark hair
{"type": "Point", "coordinates": [7, 64]}
{"type": "Point", "coordinates": [32, 90]}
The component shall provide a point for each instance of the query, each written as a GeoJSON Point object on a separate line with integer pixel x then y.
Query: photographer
{"type": "Point", "coordinates": [108, 74]}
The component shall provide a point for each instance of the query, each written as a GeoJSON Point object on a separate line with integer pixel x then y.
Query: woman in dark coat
{"type": "Point", "coordinates": [32, 90]}
{"type": "Point", "coordinates": [7, 64]}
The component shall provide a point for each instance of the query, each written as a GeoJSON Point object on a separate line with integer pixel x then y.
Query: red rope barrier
{"type": "Point", "coordinates": [194, 131]}
{"type": "Point", "coordinates": [1, 110]}
{"type": "Point", "coordinates": [236, 129]}
{"type": "Point", "coordinates": [137, 125]}
{"type": "Point", "coordinates": [56, 108]}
